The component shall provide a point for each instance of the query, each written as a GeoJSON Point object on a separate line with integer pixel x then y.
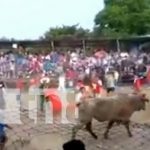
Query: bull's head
{"type": "Point", "coordinates": [143, 99]}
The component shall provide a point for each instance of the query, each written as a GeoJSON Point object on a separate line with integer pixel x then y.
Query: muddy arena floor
{"type": "Point", "coordinates": [51, 136]}
{"type": "Point", "coordinates": [42, 136]}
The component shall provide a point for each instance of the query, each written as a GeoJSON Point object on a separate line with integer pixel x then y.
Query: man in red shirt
{"type": "Point", "coordinates": [51, 95]}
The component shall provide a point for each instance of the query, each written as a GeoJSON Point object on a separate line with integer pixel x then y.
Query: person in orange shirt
{"type": "Point", "coordinates": [137, 84]}
{"type": "Point", "coordinates": [51, 95]}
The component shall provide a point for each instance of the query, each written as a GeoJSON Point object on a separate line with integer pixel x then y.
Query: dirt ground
{"type": "Point", "coordinates": [42, 136]}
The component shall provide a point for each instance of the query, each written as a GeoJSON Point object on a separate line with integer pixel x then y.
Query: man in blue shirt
{"type": "Point", "coordinates": [3, 137]}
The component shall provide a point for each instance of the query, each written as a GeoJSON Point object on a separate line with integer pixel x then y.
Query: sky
{"type": "Point", "coordinates": [30, 19]}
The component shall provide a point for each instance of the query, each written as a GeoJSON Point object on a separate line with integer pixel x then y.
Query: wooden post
{"type": "Point", "coordinates": [84, 46]}
{"type": "Point", "coordinates": [52, 45]}
{"type": "Point", "coordinates": [118, 46]}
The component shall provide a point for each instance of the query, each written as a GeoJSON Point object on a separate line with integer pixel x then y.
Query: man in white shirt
{"type": "Point", "coordinates": [12, 69]}
{"type": "Point", "coordinates": [61, 82]}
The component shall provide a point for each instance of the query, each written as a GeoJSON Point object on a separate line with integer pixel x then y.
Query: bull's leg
{"type": "Point", "coordinates": [127, 123]}
{"type": "Point", "coordinates": [89, 129]}
{"type": "Point", "coordinates": [110, 124]}
{"type": "Point", "coordinates": [76, 129]}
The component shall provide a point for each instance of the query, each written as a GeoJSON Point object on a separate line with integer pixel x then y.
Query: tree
{"type": "Point", "coordinates": [123, 18]}
{"type": "Point", "coordinates": [66, 31]}
{"type": "Point", "coordinates": [4, 39]}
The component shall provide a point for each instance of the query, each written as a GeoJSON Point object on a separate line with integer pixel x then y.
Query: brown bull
{"type": "Point", "coordinates": [115, 109]}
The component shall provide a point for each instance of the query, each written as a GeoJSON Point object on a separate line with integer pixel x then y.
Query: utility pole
{"type": "Point", "coordinates": [84, 46]}
{"type": "Point", "coordinates": [118, 46]}
{"type": "Point", "coordinates": [52, 45]}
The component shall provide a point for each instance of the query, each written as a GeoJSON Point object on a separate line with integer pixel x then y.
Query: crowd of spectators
{"type": "Point", "coordinates": [73, 64]}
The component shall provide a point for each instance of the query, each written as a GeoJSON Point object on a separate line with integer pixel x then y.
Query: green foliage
{"type": "Point", "coordinates": [123, 18]}
{"type": "Point", "coordinates": [67, 31]}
